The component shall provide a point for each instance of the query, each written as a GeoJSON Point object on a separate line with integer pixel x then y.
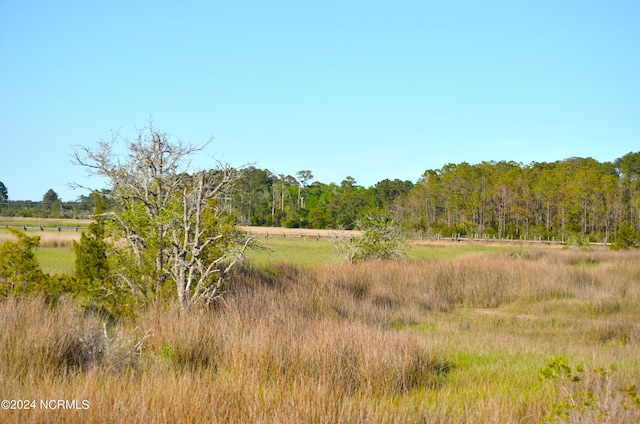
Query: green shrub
{"type": "Point", "coordinates": [91, 252]}
{"type": "Point", "coordinates": [626, 237]}
{"type": "Point", "coordinates": [381, 239]}
{"type": "Point", "coordinates": [589, 396]}
{"type": "Point", "coordinates": [20, 271]}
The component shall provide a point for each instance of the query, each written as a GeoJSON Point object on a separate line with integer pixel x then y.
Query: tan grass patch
{"type": "Point", "coordinates": [48, 238]}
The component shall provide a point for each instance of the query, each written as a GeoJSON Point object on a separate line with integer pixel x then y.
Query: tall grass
{"type": "Point", "coordinates": [48, 238]}
{"type": "Point", "coordinates": [411, 341]}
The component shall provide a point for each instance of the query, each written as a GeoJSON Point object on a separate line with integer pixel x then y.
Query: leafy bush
{"type": "Point", "coordinates": [589, 396]}
{"type": "Point", "coordinates": [381, 239]}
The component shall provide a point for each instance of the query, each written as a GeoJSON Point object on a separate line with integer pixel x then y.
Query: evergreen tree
{"type": "Point", "coordinates": [20, 271]}
{"type": "Point", "coordinates": [627, 237]}
{"type": "Point", "coordinates": [4, 193]}
{"type": "Point", "coordinates": [50, 197]}
{"type": "Point", "coordinates": [91, 253]}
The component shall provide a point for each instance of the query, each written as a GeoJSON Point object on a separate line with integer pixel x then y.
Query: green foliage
{"type": "Point", "coordinates": [50, 196]}
{"type": "Point", "coordinates": [558, 369]}
{"type": "Point", "coordinates": [168, 352]}
{"type": "Point", "coordinates": [381, 239]}
{"type": "Point", "coordinates": [81, 208]}
{"type": "Point", "coordinates": [577, 242]}
{"type": "Point", "coordinates": [629, 166]}
{"type": "Point", "coordinates": [4, 193]}
{"type": "Point", "coordinates": [20, 272]}
{"type": "Point", "coordinates": [51, 204]}
{"type": "Point", "coordinates": [587, 395]}
{"type": "Point", "coordinates": [94, 283]}
{"type": "Point", "coordinates": [91, 252]}
{"type": "Point", "coordinates": [558, 201]}
{"type": "Point", "coordinates": [626, 237]}
{"type": "Point", "coordinates": [264, 198]}
{"type": "Point", "coordinates": [575, 198]}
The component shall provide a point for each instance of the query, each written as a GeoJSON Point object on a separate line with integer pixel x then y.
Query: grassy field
{"type": "Point", "coordinates": [312, 252]}
{"type": "Point", "coordinates": [55, 253]}
{"type": "Point", "coordinates": [57, 256]}
{"type": "Point", "coordinates": [56, 249]}
{"type": "Point", "coordinates": [47, 223]}
{"type": "Point", "coordinates": [454, 333]}
{"type": "Point", "coordinates": [56, 260]}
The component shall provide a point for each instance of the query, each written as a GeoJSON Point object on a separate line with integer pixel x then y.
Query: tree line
{"type": "Point", "coordinates": [571, 198]}
{"type": "Point", "coordinates": [575, 197]}
{"type": "Point", "coordinates": [259, 197]}
{"type": "Point", "coordinates": [263, 198]}
{"type": "Point", "coordinates": [51, 206]}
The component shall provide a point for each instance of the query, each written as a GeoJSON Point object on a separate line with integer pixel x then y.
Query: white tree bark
{"type": "Point", "coordinates": [171, 220]}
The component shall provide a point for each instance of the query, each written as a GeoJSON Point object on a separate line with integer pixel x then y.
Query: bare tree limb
{"type": "Point", "coordinates": [173, 221]}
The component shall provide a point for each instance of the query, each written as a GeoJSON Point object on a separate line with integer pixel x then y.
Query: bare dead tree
{"type": "Point", "coordinates": [345, 246]}
{"type": "Point", "coordinates": [193, 266]}
{"type": "Point", "coordinates": [171, 220]}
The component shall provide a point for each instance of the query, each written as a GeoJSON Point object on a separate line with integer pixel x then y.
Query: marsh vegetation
{"type": "Point", "coordinates": [452, 333]}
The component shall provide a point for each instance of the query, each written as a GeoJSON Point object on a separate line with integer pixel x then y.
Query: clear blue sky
{"type": "Point", "coordinates": [367, 89]}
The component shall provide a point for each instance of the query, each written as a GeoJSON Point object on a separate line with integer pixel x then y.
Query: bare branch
{"type": "Point", "coordinates": [172, 221]}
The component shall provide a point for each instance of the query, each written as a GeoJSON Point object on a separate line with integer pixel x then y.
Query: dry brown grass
{"type": "Point", "coordinates": [410, 341]}
{"type": "Point", "coordinates": [48, 238]}
{"type": "Point", "coordinates": [45, 228]}
{"type": "Point", "coordinates": [297, 232]}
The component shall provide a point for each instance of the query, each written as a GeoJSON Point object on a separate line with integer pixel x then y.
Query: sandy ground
{"type": "Point", "coordinates": [298, 232]}
{"type": "Point", "coordinates": [51, 236]}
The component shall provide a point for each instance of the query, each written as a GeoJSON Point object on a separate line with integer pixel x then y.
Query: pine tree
{"type": "Point", "coordinates": [91, 253]}
{"type": "Point", "coordinates": [20, 271]}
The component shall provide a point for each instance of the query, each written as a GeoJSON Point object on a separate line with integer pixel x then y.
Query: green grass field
{"type": "Point", "coordinates": [299, 251]}
{"type": "Point", "coordinates": [307, 252]}
{"type": "Point", "coordinates": [44, 222]}
{"type": "Point", "coordinates": [56, 260]}
{"type": "Point", "coordinates": [55, 253]}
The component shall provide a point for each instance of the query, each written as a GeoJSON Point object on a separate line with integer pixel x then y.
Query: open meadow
{"type": "Point", "coordinates": [485, 333]}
